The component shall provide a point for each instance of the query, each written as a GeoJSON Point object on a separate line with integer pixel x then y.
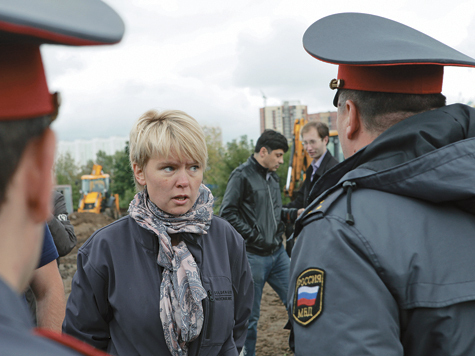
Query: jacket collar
{"type": "Point", "coordinates": [258, 167]}
{"type": "Point", "coordinates": [433, 146]}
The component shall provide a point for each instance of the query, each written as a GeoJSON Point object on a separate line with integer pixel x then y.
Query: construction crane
{"type": "Point", "coordinates": [265, 98]}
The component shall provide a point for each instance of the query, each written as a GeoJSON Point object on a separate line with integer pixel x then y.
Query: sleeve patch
{"type": "Point", "coordinates": [308, 296]}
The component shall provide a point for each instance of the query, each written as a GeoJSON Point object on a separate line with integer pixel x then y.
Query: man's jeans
{"type": "Point", "coordinates": [273, 269]}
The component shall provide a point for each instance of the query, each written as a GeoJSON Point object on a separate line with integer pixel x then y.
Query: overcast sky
{"type": "Point", "coordinates": [214, 59]}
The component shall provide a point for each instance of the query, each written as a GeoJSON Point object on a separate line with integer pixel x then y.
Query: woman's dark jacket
{"type": "Point", "coordinates": [115, 297]}
{"type": "Point", "coordinates": [252, 204]}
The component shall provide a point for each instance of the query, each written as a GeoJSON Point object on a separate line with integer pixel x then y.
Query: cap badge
{"type": "Point", "coordinates": [336, 84]}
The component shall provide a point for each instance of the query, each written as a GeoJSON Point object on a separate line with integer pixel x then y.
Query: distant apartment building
{"type": "Point", "coordinates": [328, 118]}
{"type": "Point", "coordinates": [281, 118]}
{"type": "Point", "coordinates": [84, 150]}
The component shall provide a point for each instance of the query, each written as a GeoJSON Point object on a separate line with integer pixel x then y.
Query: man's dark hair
{"type": "Point", "coordinates": [375, 107]}
{"type": "Point", "coordinates": [271, 140]}
{"type": "Point", "coordinates": [14, 137]}
{"type": "Point", "coordinates": [322, 129]}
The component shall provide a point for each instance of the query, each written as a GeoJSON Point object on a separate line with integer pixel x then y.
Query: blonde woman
{"type": "Point", "coordinates": [170, 278]}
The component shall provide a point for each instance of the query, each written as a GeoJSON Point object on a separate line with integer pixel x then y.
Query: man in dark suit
{"type": "Point", "coordinates": [315, 136]}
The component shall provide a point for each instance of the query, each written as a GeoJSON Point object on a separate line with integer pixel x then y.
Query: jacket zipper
{"type": "Point", "coordinates": [210, 314]}
{"type": "Point", "coordinates": [272, 204]}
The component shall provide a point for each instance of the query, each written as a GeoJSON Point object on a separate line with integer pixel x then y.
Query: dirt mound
{"type": "Point", "coordinates": [85, 224]}
{"type": "Point", "coordinates": [272, 339]}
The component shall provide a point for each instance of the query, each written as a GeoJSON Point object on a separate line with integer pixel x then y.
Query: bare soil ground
{"type": "Point", "coordinates": [85, 224]}
{"type": "Point", "coordinates": [272, 339]}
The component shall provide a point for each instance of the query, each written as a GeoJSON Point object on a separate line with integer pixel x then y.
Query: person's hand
{"type": "Point", "coordinates": [300, 211]}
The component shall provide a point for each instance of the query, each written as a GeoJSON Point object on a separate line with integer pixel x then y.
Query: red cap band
{"type": "Point", "coordinates": [404, 79]}
{"type": "Point", "coordinates": [24, 92]}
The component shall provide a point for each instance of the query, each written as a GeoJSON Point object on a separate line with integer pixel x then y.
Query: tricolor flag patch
{"type": "Point", "coordinates": [308, 296]}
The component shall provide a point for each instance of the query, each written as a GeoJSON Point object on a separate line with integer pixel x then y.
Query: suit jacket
{"type": "Point", "coordinates": [303, 196]}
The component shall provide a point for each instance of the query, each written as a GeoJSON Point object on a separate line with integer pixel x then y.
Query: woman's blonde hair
{"type": "Point", "coordinates": [161, 134]}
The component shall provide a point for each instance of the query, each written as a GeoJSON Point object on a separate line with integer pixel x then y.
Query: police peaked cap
{"type": "Point", "coordinates": [24, 25]}
{"type": "Point", "coordinates": [381, 55]}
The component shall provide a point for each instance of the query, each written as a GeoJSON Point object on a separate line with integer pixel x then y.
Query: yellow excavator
{"type": "Point", "coordinates": [300, 160]}
{"type": "Point", "coordinates": [96, 196]}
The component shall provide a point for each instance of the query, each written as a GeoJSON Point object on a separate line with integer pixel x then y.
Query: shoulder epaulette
{"type": "Point", "coordinates": [316, 210]}
{"type": "Point", "coordinates": [320, 205]}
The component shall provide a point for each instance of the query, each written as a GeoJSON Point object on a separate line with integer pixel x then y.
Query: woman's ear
{"type": "Point", "coordinates": [139, 174]}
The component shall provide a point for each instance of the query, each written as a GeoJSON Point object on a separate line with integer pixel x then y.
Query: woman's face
{"type": "Point", "coordinates": [172, 184]}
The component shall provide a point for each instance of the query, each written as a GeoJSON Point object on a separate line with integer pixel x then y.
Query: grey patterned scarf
{"type": "Point", "coordinates": [181, 291]}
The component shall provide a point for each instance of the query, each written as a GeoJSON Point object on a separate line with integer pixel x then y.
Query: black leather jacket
{"type": "Point", "coordinates": [253, 206]}
{"type": "Point", "coordinates": [61, 228]}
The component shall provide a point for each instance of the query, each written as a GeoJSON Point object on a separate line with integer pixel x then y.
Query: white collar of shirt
{"type": "Point", "coordinates": [316, 164]}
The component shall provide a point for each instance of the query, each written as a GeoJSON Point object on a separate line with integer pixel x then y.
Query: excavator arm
{"type": "Point", "coordinates": [299, 161]}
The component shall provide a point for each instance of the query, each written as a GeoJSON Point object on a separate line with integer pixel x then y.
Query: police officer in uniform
{"type": "Point", "coordinates": [384, 257]}
{"type": "Point", "coordinates": [27, 152]}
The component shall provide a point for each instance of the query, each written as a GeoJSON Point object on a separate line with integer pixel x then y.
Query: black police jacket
{"type": "Point", "coordinates": [383, 260]}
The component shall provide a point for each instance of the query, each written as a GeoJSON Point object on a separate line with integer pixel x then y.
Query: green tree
{"type": "Point", "coordinates": [66, 170]}
{"type": "Point", "coordinates": [68, 173]}
{"type": "Point", "coordinates": [123, 178]}
{"type": "Point", "coordinates": [86, 168]}
{"type": "Point", "coordinates": [215, 156]}
{"type": "Point", "coordinates": [236, 153]}
{"type": "Point", "coordinates": [106, 161]}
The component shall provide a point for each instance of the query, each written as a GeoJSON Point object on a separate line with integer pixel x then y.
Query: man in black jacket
{"type": "Point", "coordinates": [60, 226]}
{"type": "Point", "coordinates": [252, 203]}
{"type": "Point", "coordinates": [45, 296]}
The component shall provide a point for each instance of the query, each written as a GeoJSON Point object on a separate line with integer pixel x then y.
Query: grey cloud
{"type": "Point", "coordinates": [280, 67]}
{"type": "Point", "coordinates": [467, 46]}
{"type": "Point", "coordinates": [114, 114]}
{"type": "Point", "coordinates": [58, 62]}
